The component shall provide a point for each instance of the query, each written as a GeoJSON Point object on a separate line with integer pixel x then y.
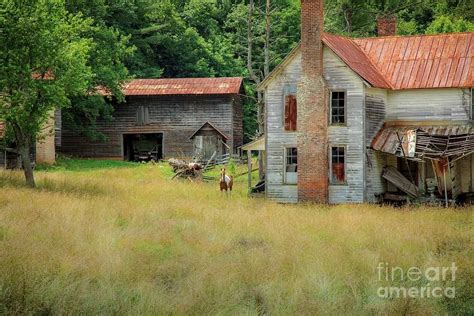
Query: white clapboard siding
{"type": "Point", "coordinates": [278, 139]}
{"type": "Point", "coordinates": [375, 112]}
{"type": "Point", "coordinates": [375, 104]}
{"type": "Point", "coordinates": [375, 184]}
{"type": "Point", "coordinates": [428, 105]}
{"type": "Point", "coordinates": [338, 76]}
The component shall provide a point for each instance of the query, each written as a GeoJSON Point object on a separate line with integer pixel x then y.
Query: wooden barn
{"type": "Point", "coordinates": [164, 118]}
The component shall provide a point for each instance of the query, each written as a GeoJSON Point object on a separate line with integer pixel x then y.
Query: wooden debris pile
{"type": "Point", "coordinates": [186, 170]}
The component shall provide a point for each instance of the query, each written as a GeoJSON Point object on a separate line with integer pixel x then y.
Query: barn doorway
{"type": "Point", "coordinates": [143, 147]}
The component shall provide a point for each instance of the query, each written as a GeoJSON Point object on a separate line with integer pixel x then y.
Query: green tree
{"type": "Point", "coordinates": [43, 61]}
{"type": "Point", "coordinates": [446, 24]}
{"type": "Point", "coordinates": [107, 57]}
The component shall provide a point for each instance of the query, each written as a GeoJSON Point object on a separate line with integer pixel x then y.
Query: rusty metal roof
{"type": "Point", "coordinates": [190, 86]}
{"type": "Point", "coordinates": [423, 61]}
{"type": "Point", "coordinates": [403, 62]}
{"type": "Point", "coordinates": [356, 59]}
{"type": "Point", "coordinates": [2, 129]}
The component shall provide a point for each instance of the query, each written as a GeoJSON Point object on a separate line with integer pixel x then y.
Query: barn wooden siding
{"type": "Point", "coordinates": [177, 117]}
{"type": "Point", "coordinates": [338, 77]}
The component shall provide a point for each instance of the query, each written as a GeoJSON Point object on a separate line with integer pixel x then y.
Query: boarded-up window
{"type": "Point", "coordinates": [338, 107]}
{"type": "Point", "coordinates": [338, 167]}
{"type": "Point", "coordinates": [142, 115]}
{"type": "Point", "coordinates": [290, 112]}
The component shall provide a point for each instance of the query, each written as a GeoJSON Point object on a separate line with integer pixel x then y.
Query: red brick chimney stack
{"type": "Point", "coordinates": [387, 25]}
{"type": "Point", "coordinates": [312, 108]}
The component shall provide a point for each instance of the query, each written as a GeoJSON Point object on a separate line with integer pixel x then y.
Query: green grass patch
{"type": "Point", "coordinates": [81, 165]}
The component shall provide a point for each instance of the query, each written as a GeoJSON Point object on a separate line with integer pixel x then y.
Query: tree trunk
{"type": "Point", "coordinates": [26, 163]}
{"type": "Point", "coordinates": [266, 68]}
{"type": "Point", "coordinates": [23, 147]}
{"type": "Point", "coordinates": [252, 74]}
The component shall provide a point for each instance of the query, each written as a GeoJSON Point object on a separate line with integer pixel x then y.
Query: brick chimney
{"type": "Point", "coordinates": [387, 25]}
{"type": "Point", "coordinates": [312, 108]}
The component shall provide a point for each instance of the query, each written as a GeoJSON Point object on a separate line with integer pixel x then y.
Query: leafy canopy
{"type": "Point", "coordinates": [43, 61]}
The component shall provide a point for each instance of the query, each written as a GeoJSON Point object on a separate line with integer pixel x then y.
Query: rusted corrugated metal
{"type": "Point", "coordinates": [389, 137]}
{"type": "Point", "coordinates": [2, 129]}
{"type": "Point", "coordinates": [183, 86]}
{"type": "Point", "coordinates": [423, 61]}
{"type": "Point", "coordinates": [356, 59]}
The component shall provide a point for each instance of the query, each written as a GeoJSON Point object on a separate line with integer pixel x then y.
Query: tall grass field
{"type": "Point", "coordinates": [101, 237]}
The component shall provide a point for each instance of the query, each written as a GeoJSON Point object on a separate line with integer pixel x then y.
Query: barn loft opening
{"type": "Point", "coordinates": [143, 147]}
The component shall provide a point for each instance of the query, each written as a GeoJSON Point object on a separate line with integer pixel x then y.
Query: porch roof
{"type": "Point", "coordinates": [431, 142]}
{"type": "Point", "coordinates": [257, 144]}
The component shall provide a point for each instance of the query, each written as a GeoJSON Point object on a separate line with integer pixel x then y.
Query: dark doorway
{"type": "Point", "coordinates": [408, 168]}
{"type": "Point", "coordinates": [143, 147]}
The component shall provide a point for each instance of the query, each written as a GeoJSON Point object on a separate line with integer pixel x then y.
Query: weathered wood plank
{"type": "Point", "coordinates": [177, 117]}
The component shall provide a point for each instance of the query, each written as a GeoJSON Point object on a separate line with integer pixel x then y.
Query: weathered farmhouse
{"type": "Point", "coordinates": [168, 118]}
{"type": "Point", "coordinates": [351, 120]}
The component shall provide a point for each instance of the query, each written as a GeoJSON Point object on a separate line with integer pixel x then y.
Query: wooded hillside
{"type": "Point", "coordinates": [200, 38]}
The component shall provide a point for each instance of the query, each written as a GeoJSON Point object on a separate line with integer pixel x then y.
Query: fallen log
{"type": "Point", "coordinates": [186, 170]}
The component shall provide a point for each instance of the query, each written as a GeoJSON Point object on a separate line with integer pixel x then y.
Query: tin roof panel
{"type": "Point", "coordinates": [189, 86]}
{"type": "Point", "coordinates": [423, 61]}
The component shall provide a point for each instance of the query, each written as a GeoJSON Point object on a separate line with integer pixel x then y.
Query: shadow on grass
{"type": "Point", "coordinates": [14, 180]}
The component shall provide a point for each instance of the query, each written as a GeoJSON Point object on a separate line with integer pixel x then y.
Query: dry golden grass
{"type": "Point", "coordinates": [130, 241]}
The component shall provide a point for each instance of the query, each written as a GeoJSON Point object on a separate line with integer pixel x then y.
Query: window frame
{"type": "Point", "coordinates": [331, 146]}
{"type": "Point", "coordinates": [289, 89]}
{"type": "Point", "coordinates": [285, 182]}
{"type": "Point", "coordinates": [345, 107]}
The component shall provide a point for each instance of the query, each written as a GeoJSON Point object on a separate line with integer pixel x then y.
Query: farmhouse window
{"type": "Point", "coordinates": [338, 166]}
{"type": "Point", "coordinates": [338, 107]}
{"type": "Point", "coordinates": [291, 165]}
{"type": "Point", "coordinates": [290, 112]}
{"type": "Point", "coordinates": [142, 115]}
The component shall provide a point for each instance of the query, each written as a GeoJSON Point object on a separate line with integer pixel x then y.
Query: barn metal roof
{"type": "Point", "coordinates": [403, 62]}
{"type": "Point", "coordinates": [423, 61]}
{"type": "Point", "coordinates": [190, 86]}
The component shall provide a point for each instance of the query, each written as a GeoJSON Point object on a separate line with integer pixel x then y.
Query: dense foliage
{"type": "Point", "coordinates": [88, 44]}
{"type": "Point", "coordinates": [44, 53]}
{"type": "Point", "coordinates": [193, 38]}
